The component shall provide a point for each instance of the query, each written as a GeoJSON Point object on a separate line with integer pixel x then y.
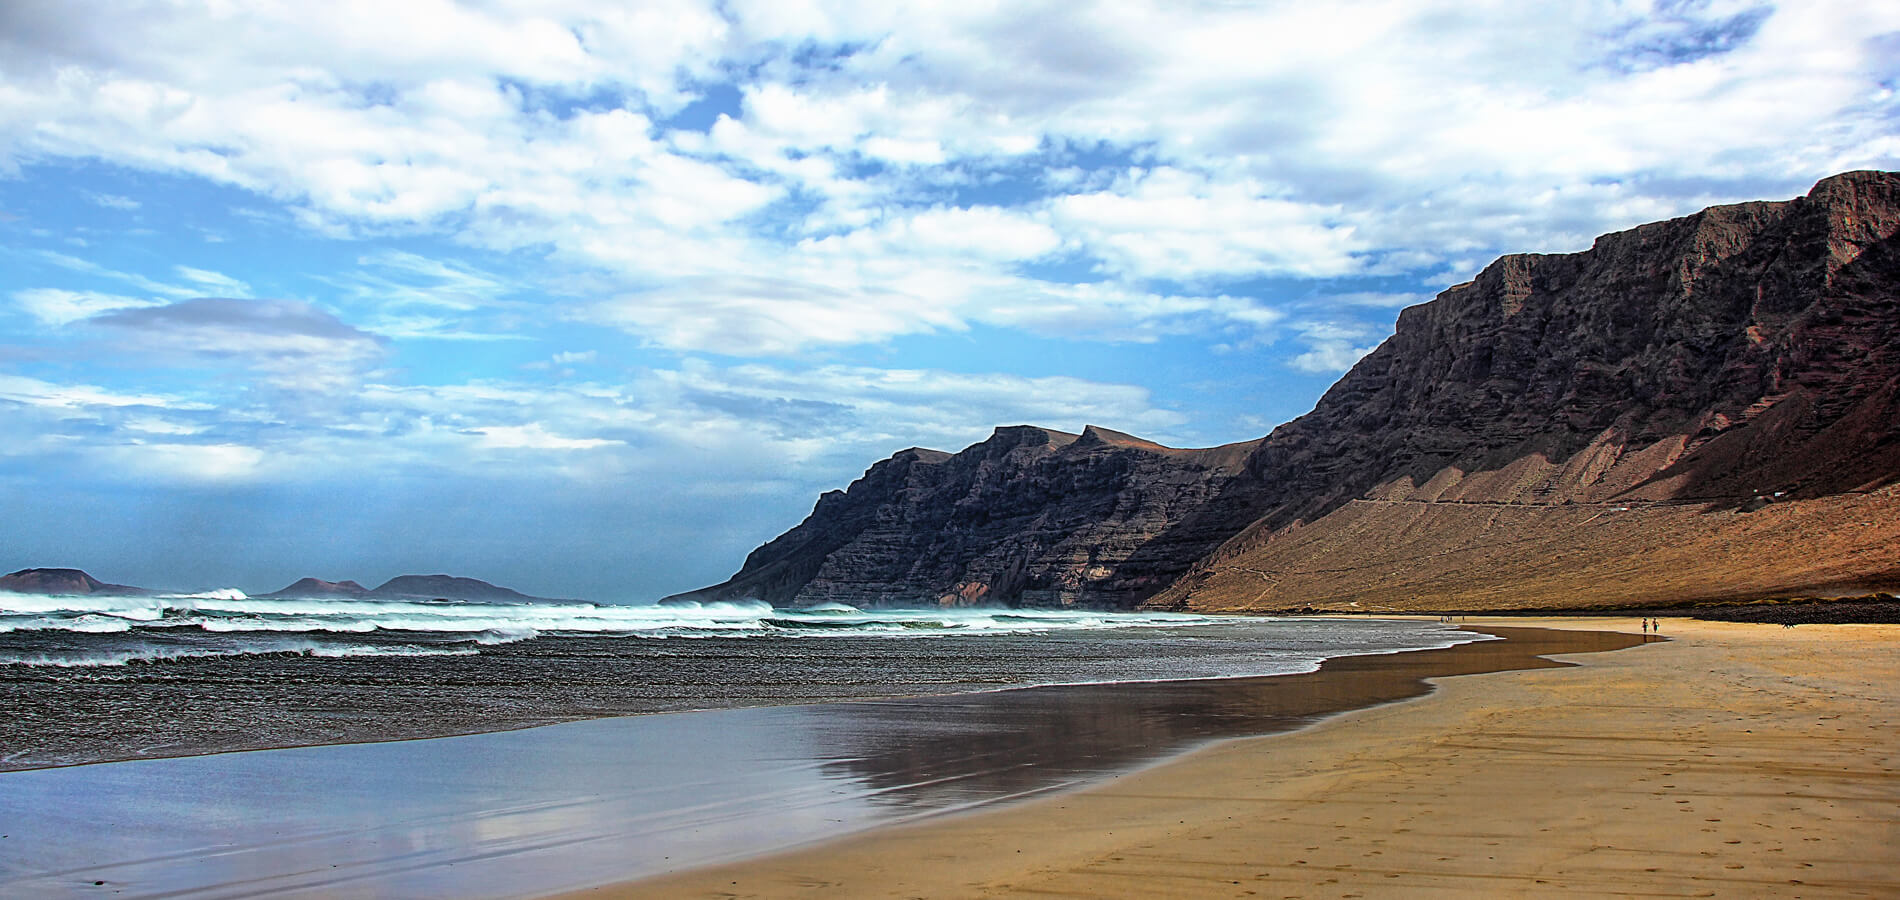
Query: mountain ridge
{"type": "Point", "coordinates": [1702, 366]}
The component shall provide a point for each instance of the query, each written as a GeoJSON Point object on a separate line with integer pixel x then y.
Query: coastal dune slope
{"type": "Point", "coordinates": [1702, 408]}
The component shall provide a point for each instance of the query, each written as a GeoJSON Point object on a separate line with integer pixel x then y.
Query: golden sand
{"type": "Point", "coordinates": [1736, 760]}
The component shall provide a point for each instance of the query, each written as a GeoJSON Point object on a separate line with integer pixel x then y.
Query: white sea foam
{"type": "Point", "coordinates": [220, 594]}
{"type": "Point", "coordinates": [247, 624]}
{"type": "Point", "coordinates": [147, 653]}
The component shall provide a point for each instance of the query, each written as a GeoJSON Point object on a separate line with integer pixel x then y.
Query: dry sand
{"type": "Point", "coordinates": [1737, 760]}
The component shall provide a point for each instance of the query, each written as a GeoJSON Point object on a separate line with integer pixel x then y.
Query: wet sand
{"type": "Point", "coordinates": [524, 812]}
{"type": "Point", "coordinates": [1733, 760]}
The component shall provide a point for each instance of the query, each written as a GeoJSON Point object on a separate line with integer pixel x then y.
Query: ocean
{"type": "Point", "coordinates": [93, 678]}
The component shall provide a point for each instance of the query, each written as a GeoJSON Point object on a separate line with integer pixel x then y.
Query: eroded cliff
{"type": "Point", "coordinates": [1565, 429]}
{"type": "Point", "coordinates": [1030, 516]}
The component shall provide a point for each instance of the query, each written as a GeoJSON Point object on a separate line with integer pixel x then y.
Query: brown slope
{"type": "Point", "coordinates": [1679, 369]}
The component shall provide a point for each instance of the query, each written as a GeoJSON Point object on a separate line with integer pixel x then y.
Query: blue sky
{"type": "Point", "coordinates": [590, 300]}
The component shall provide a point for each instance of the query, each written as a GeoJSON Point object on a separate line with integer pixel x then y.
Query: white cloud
{"type": "Point", "coordinates": [1178, 150]}
{"type": "Point", "coordinates": [215, 283]}
{"type": "Point", "coordinates": [112, 201]}
{"type": "Point", "coordinates": [1167, 223]}
{"type": "Point", "coordinates": [34, 392]}
{"type": "Point", "coordinates": [1332, 347]}
{"type": "Point", "coordinates": [534, 437]}
{"type": "Point", "coordinates": [53, 306]}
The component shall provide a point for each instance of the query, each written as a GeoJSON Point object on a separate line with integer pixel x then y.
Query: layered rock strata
{"type": "Point", "coordinates": [1028, 517]}
{"type": "Point", "coordinates": [1658, 390]}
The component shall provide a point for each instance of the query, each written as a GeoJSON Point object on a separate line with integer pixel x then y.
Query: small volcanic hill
{"type": "Point", "coordinates": [448, 587]}
{"type": "Point", "coordinates": [1706, 408]}
{"type": "Point", "coordinates": [317, 588]}
{"type": "Point", "coordinates": [62, 582]}
{"type": "Point", "coordinates": [404, 587]}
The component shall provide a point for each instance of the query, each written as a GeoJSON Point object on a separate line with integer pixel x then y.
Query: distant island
{"type": "Point", "coordinates": [402, 587]}
{"type": "Point", "coordinates": [62, 582]}
{"type": "Point", "coordinates": [407, 587]}
{"type": "Point", "coordinates": [1705, 409]}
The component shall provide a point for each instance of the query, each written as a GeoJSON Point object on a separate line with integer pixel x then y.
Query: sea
{"type": "Point", "coordinates": [439, 748]}
{"type": "Point", "coordinates": [94, 678]}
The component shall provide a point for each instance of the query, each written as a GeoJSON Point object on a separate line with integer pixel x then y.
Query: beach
{"type": "Point", "coordinates": [1731, 760]}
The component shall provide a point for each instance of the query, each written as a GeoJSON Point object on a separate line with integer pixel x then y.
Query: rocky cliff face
{"type": "Point", "coordinates": [1702, 366]}
{"type": "Point", "coordinates": [1030, 516]}
{"type": "Point", "coordinates": [1606, 408]}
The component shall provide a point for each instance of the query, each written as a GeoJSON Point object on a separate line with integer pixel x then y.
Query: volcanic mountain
{"type": "Point", "coordinates": [1703, 408]}
{"type": "Point", "coordinates": [317, 588]}
{"type": "Point", "coordinates": [62, 582]}
{"type": "Point", "coordinates": [405, 587]}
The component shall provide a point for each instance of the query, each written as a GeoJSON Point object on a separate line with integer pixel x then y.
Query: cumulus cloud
{"type": "Point", "coordinates": [1239, 145]}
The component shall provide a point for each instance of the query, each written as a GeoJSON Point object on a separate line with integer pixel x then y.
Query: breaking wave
{"type": "Point", "coordinates": [96, 630]}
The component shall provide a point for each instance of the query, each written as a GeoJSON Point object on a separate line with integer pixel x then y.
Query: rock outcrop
{"type": "Point", "coordinates": [63, 582]}
{"type": "Point", "coordinates": [1590, 428]}
{"type": "Point", "coordinates": [1028, 517]}
{"type": "Point", "coordinates": [1565, 429]}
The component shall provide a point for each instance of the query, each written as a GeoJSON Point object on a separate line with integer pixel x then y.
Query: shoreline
{"type": "Point", "coordinates": [1728, 757]}
{"type": "Point", "coordinates": [203, 706]}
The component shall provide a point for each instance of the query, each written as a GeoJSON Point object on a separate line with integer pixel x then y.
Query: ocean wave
{"type": "Point", "coordinates": [220, 594]}
{"type": "Point", "coordinates": [230, 614]}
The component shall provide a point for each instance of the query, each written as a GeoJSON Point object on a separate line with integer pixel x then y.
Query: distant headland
{"type": "Point", "coordinates": [402, 587]}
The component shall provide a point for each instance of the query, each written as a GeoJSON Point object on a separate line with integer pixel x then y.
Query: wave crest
{"type": "Point", "coordinates": [245, 624]}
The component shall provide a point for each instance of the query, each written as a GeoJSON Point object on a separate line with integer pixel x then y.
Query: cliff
{"type": "Point", "coordinates": [1606, 427]}
{"type": "Point", "coordinates": [1028, 517]}
{"type": "Point", "coordinates": [1690, 409]}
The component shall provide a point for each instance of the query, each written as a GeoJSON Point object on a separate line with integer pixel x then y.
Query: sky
{"type": "Point", "coordinates": [590, 299]}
